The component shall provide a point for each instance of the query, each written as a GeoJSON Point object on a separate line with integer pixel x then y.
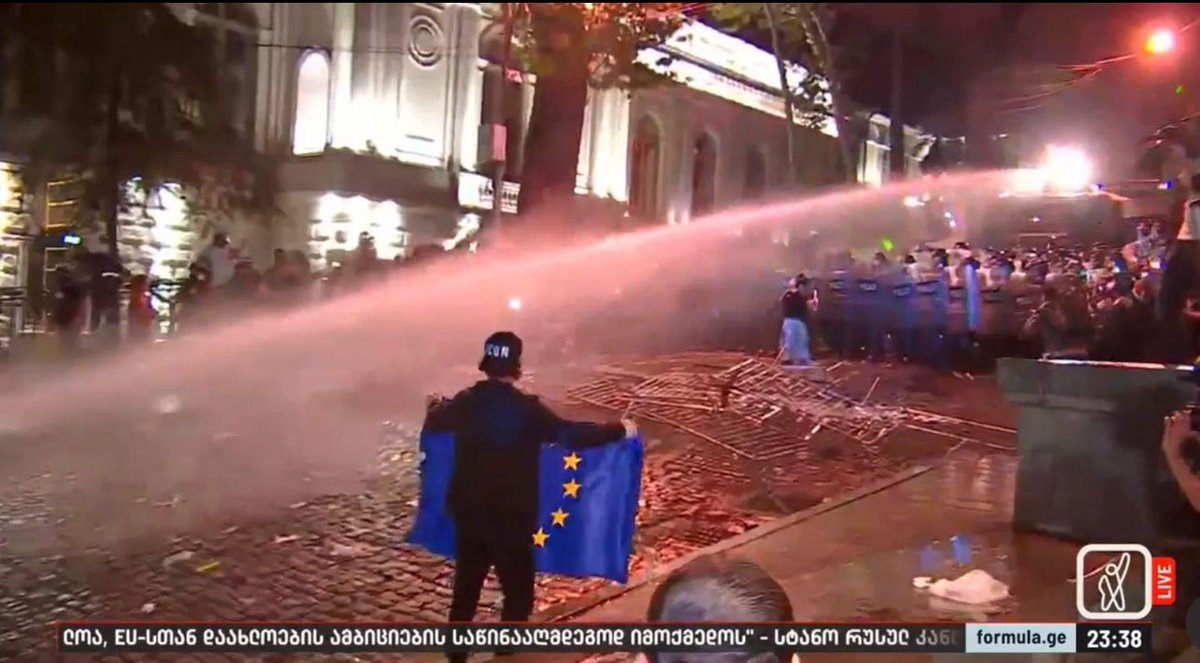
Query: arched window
{"type": "Point", "coordinates": [643, 170]}
{"type": "Point", "coordinates": [311, 129]}
{"type": "Point", "coordinates": [755, 184]}
{"type": "Point", "coordinates": [704, 175]}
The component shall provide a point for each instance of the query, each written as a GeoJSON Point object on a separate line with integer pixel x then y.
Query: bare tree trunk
{"type": "Point", "coordinates": [785, 89]}
{"type": "Point", "coordinates": [556, 120]}
{"type": "Point", "coordinates": [812, 21]}
{"type": "Point", "coordinates": [110, 193]}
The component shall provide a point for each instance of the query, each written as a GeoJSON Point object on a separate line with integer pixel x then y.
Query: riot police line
{"type": "Point", "coordinates": [930, 319]}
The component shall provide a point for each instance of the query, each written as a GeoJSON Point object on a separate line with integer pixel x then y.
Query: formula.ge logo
{"type": "Point", "coordinates": [1121, 581]}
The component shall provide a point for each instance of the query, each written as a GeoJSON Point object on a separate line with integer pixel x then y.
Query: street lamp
{"type": "Point", "coordinates": [1160, 42]}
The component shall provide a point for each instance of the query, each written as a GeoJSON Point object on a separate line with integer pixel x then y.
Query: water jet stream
{"type": "Point", "coordinates": [279, 396]}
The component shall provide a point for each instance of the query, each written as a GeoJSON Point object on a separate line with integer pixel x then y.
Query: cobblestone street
{"type": "Point", "coordinates": [732, 442]}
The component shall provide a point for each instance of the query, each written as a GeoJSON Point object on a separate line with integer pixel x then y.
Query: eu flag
{"type": "Point", "coordinates": [588, 500]}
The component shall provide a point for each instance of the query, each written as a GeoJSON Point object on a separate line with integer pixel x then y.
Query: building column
{"type": "Point", "coordinates": [528, 86]}
{"type": "Point", "coordinates": [584, 169]}
{"type": "Point", "coordinates": [342, 76]}
{"type": "Point", "coordinates": [465, 25]}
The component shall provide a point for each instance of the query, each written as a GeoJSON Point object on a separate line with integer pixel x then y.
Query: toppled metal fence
{"type": "Point", "coordinates": [752, 407]}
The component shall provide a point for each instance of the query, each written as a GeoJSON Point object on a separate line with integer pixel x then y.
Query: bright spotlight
{"type": "Point", "coordinates": [913, 201]}
{"type": "Point", "coordinates": [1027, 181]}
{"type": "Point", "coordinates": [1067, 168]}
{"type": "Point", "coordinates": [1160, 42]}
{"type": "Point", "coordinates": [514, 304]}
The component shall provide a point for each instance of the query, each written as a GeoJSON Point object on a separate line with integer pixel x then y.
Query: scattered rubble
{"type": "Point", "coordinates": [177, 558]}
{"type": "Point", "coordinates": [975, 587]}
{"type": "Point", "coordinates": [762, 441]}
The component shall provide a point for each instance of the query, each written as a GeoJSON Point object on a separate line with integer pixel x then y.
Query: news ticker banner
{"type": "Point", "coordinates": [933, 638]}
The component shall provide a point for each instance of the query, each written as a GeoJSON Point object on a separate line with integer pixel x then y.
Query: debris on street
{"type": "Point", "coordinates": [754, 408]}
{"type": "Point", "coordinates": [733, 441]}
{"type": "Point", "coordinates": [976, 587]}
{"type": "Point", "coordinates": [177, 558]}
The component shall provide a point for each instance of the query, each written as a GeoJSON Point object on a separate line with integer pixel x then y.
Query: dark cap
{"type": "Point", "coordinates": [501, 355]}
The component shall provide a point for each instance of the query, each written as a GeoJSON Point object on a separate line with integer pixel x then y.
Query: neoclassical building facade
{"type": "Point", "coordinates": [380, 107]}
{"type": "Point", "coordinates": [376, 112]}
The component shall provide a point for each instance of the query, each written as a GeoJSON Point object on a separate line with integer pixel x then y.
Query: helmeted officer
{"type": "Point", "coordinates": [499, 431]}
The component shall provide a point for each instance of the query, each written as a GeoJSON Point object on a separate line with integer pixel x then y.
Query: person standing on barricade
{"type": "Point", "coordinates": [493, 494]}
{"type": "Point", "coordinates": [794, 337]}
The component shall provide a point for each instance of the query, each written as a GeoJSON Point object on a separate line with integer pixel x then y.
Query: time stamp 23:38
{"type": "Point", "coordinates": [1113, 638]}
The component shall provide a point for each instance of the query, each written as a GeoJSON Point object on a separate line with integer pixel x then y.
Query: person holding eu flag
{"type": "Point", "coordinates": [494, 488]}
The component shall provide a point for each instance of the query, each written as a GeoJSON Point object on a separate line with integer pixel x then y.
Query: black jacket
{"type": "Point", "coordinates": [499, 431]}
{"type": "Point", "coordinates": [795, 305]}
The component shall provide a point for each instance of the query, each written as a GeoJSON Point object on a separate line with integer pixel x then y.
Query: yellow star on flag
{"type": "Point", "coordinates": [571, 462]}
{"type": "Point", "coordinates": [571, 488]}
{"type": "Point", "coordinates": [539, 538]}
{"type": "Point", "coordinates": [560, 517]}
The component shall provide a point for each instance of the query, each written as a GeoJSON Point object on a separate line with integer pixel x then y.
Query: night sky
{"type": "Point", "coordinates": [984, 69]}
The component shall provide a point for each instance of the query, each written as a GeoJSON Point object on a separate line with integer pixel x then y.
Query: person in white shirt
{"type": "Point", "coordinates": [220, 259]}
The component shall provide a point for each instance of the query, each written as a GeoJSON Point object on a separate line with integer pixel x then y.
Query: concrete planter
{"type": "Point", "coordinates": [1090, 463]}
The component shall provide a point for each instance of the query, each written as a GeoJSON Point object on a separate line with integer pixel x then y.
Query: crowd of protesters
{"type": "Point", "coordinates": [951, 309]}
{"type": "Point", "coordinates": [959, 309]}
{"type": "Point", "coordinates": [92, 294]}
